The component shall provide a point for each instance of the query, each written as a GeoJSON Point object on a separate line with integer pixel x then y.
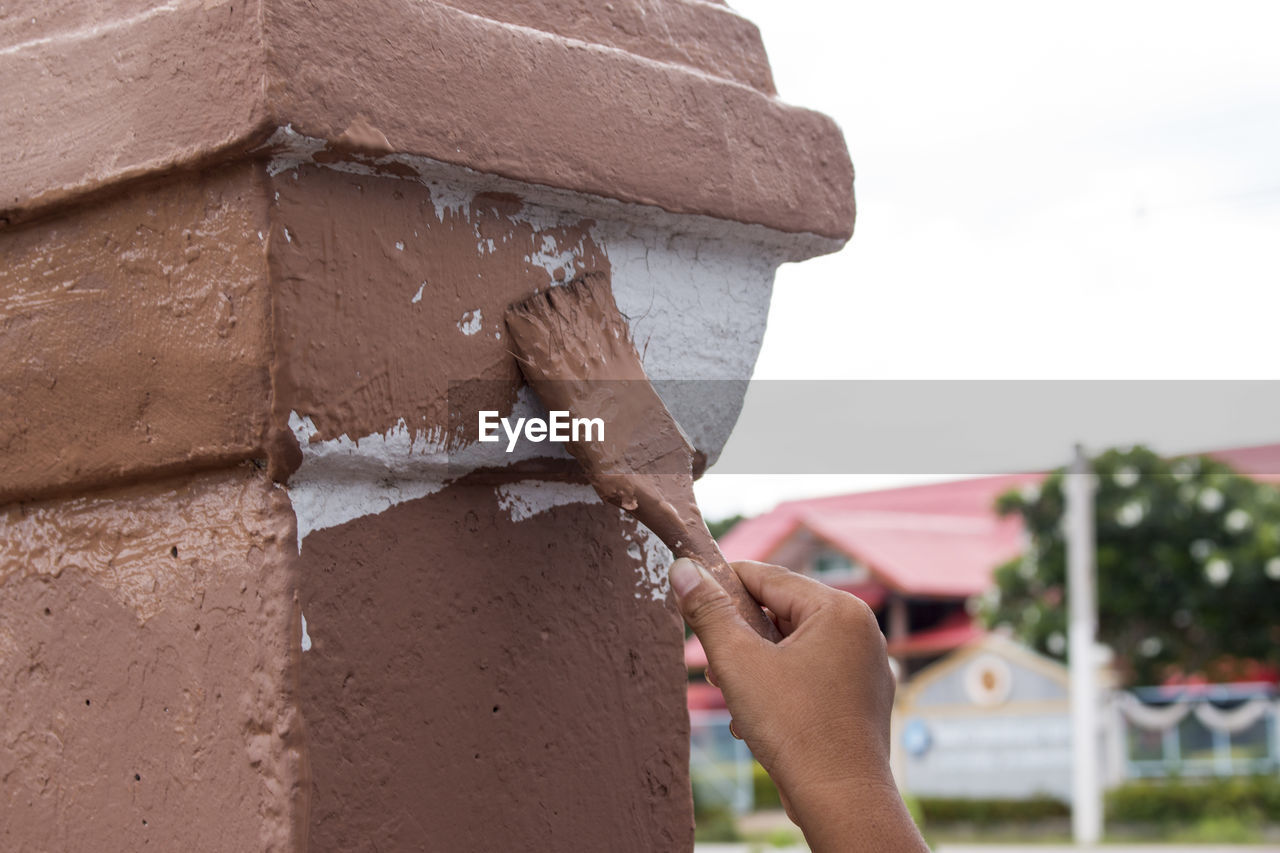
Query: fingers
{"type": "Point", "coordinates": [792, 597]}
{"type": "Point", "coordinates": [708, 609]}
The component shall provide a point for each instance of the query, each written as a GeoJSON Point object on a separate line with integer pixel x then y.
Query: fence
{"type": "Point", "coordinates": [1202, 730]}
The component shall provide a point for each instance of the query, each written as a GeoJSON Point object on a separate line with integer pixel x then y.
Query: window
{"type": "Point", "coordinates": [832, 565]}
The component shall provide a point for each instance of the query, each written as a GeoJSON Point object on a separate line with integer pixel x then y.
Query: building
{"type": "Point", "coordinates": [916, 555]}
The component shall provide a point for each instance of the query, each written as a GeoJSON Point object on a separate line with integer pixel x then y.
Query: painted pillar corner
{"type": "Point", "coordinates": [259, 587]}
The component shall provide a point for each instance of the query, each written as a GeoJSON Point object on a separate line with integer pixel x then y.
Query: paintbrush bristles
{"type": "Point", "coordinates": [575, 349]}
{"type": "Point", "coordinates": [548, 331]}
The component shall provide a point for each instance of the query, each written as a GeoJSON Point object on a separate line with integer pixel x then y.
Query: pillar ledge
{"type": "Point", "coordinates": [608, 103]}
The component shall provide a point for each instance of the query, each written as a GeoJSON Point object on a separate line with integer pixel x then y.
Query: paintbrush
{"type": "Point", "coordinates": [575, 349]}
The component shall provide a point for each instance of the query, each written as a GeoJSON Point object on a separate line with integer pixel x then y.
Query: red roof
{"type": "Point", "coordinates": [941, 539]}
{"type": "Point", "coordinates": [1260, 463]}
{"type": "Point", "coordinates": [942, 555]}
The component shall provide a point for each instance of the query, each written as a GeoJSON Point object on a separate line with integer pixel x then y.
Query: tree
{"type": "Point", "coordinates": [721, 526]}
{"type": "Point", "coordinates": [1188, 567]}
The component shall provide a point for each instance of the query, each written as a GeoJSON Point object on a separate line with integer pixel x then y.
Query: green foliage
{"type": "Point", "coordinates": [715, 824]}
{"type": "Point", "coordinates": [766, 793]}
{"type": "Point", "coordinates": [1244, 799]}
{"type": "Point", "coordinates": [1188, 566]}
{"type": "Point", "coordinates": [721, 526]}
{"type": "Point", "coordinates": [984, 812]}
{"type": "Point", "coordinates": [1219, 830]}
{"type": "Point", "coordinates": [914, 809]}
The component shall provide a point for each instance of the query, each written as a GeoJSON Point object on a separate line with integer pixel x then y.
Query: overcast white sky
{"type": "Point", "coordinates": [1083, 190]}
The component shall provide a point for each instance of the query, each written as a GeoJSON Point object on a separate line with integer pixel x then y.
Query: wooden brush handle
{"type": "Point", "coordinates": [746, 604]}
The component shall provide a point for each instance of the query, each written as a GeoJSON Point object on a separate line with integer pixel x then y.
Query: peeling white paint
{"type": "Point", "coordinates": [557, 261]}
{"type": "Point", "coordinates": [399, 246]}
{"type": "Point", "coordinates": [293, 149]}
{"type": "Point", "coordinates": [470, 322]}
{"type": "Point", "coordinates": [417, 297]}
{"type": "Point", "coordinates": [342, 479]}
{"type": "Point", "coordinates": [654, 558]}
{"type": "Point", "coordinates": [306, 638]}
{"type": "Point", "coordinates": [526, 498]}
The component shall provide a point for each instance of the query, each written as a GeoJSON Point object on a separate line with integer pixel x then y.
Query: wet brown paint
{"type": "Point", "coordinates": [477, 683]}
{"type": "Point", "coordinates": [373, 286]}
{"type": "Point", "coordinates": [133, 335]}
{"type": "Point", "coordinates": [676, 111]}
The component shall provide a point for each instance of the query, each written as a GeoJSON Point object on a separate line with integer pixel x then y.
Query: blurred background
{"type": "Point", "coordinates": [1089, 192]}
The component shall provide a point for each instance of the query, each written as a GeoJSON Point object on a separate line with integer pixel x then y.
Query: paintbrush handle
{"type": "Point", "coordinates": [742, 599]}
{"type": "Point", "coordinates": [703, 548]}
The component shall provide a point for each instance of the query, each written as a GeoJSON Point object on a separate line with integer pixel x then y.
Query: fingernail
{"type": "Point", "coordinates": [685, 576]}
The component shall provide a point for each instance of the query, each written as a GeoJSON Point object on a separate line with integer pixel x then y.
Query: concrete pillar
{"type": "Point", "coordinates": [259, 588]}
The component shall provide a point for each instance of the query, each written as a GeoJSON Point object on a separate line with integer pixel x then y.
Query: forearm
{"type": "Point", "coordinates": [857, 816]}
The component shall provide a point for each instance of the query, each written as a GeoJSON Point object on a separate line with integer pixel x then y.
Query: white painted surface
{"type": "Point", "coordinates": [524, 499]}
{"type": "Point", "coordinates": [654, 559]}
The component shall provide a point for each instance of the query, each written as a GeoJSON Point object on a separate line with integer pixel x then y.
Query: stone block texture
{"type": "Point", "coordinates": [259, 588]}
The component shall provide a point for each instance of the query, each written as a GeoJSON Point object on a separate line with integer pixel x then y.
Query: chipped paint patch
{"type": "Point", "coordinates": [306, 638]}
{"type": "Point", "coordinates": [417, 297]}
{"type": "Point", "coordinates": [343, 479]}
{"type": "Point", "coordinates": [653, 557]}
{"type": "Point", "coordinates": [526, 498]}
{"type": "Point", "coordinates": [558, 261]}
{"type": "Point", "coordinates": [470, 322]}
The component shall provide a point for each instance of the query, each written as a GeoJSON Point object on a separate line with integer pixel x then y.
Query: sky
{"type": "Point", "coordinates": [1045, 191]}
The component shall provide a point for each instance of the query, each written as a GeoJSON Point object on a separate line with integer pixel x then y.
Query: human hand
{"type": "Point", "coordinates": [814, 708]}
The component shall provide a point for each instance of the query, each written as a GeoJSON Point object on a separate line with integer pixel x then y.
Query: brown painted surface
{"type": "Point", "coordinates": [157, 332]}
{"type": "Point", "coordinates": [148, 649]}
{"type": "Point", "coordinates": [134, 336]}
{"type": "Point", "coordinates": [355, 351]}
{"type": "Point", "coordinates": [476, 683]}
{"type": "Point", "coordinates": [676, 31]}
{"type": "Point", "coordinates": [183, 85]}
{"type": "Point", "coordinates": [103, 92]}
{"type": "Point", "coordinates": [562, 113]}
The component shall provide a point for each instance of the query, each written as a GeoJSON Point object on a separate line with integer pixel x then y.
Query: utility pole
{"type": "Point", "coordinates": [1082, 603]}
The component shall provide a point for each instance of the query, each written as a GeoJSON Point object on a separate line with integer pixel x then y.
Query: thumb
{"type": "Point", "coordinates": [707, 608]}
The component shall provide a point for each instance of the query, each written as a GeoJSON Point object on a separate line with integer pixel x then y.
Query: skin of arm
{"type": "Point", "coordinates": [814, 708]}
